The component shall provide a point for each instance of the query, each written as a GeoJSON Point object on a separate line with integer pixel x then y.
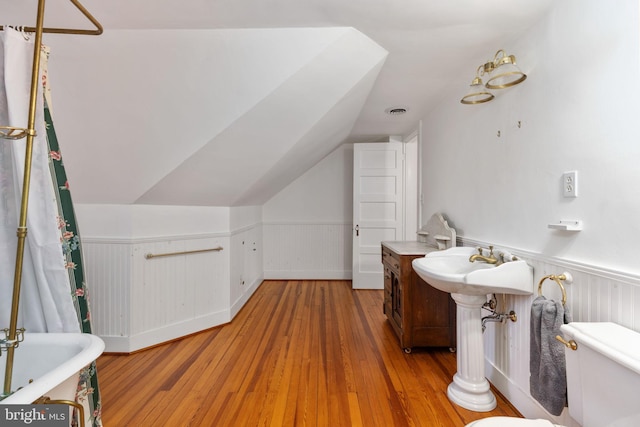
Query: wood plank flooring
{"type": "Point", "coordinates": [300, 353]}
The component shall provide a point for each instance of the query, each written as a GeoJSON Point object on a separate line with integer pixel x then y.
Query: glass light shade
{"type": "Point", "coordinates": [477, 94]}
{"type": "Point", "coordinates": [505, 75]}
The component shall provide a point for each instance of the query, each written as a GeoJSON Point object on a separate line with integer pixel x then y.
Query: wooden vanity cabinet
{"type": "Point", "coordinates": [420, 315]}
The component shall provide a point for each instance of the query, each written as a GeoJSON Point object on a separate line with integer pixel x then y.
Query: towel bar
{"type": "Point", "coordinates": [558, 279]}
{"type": "Point", "coordinates": [149, 256]}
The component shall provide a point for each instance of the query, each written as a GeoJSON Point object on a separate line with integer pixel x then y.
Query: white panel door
{"type": "Point", "coordinates": [377, 208]}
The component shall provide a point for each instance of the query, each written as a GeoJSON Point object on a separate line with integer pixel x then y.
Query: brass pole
{"type": "Point", "coordinates": [22, 224]}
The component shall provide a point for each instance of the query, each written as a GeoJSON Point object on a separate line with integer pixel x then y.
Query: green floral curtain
{"type": "Point", "coordinates": [88, 393]}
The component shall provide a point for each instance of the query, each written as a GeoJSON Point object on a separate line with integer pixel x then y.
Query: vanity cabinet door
{"type": "Point", "coordinates": [392, 290]}
{"type": "Point", "coordinates": [396, 300]}
{"type": "Point", "coordinates": [388, 293]}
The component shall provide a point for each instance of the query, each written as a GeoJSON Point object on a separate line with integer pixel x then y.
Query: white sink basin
{"type": "Point", "coordinates": [451, 271]}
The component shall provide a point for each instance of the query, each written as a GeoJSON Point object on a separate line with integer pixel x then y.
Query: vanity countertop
{"type": "Point", "coordinates": [409, 247]}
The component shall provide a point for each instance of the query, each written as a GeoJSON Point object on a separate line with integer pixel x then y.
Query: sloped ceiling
{"type": "Point", "coordinates": [200, 117]}
{"type": "Point", "coordinates": [224, 103]}
{"type": "Point", "coordinates": [314, 108]}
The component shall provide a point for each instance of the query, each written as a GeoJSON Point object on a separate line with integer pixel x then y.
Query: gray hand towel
{"type": "Point", "coordinates": [548, 380]}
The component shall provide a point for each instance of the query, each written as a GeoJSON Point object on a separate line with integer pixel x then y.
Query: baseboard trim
{"type": "Point", "coordinates": [306, 275]}
{"type": "Point", "coordinates": [521, 400]}
{"type": "Point", "coordinates": [165, 334]}
{"type": "Point", "coordinates": [377, 287]}
{"type": "Point", "coordinates": [237, 306]}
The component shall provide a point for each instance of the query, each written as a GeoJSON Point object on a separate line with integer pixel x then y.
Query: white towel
{"type": "Point", "coordinates": [548, 380]}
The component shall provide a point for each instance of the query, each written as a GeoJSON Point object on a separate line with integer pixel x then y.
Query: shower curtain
{"type": "Point", "coordinates": [54, 294]}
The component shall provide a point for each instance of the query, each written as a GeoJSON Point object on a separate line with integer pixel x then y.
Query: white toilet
{"type": "Point", "coordinates": [603, 378]}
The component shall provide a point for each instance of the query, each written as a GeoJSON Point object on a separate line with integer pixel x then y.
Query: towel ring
{"type": "Point", "coordinates": [558, 279]}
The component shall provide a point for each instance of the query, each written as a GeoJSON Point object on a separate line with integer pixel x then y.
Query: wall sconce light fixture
{"type": "Point", "coordinates": [503, 72]}
{"type": "Point", "coordinates": [477, 91]}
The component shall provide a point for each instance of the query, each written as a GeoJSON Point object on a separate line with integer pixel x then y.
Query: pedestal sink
{"type": "Point", "coordinates": [469, 283]}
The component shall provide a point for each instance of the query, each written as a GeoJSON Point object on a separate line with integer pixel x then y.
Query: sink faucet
{"type": "Point", "coordinates": [488, 259]}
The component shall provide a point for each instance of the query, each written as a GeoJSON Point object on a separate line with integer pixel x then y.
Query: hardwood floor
{"type": "Point", "coordinates": [300, 353]}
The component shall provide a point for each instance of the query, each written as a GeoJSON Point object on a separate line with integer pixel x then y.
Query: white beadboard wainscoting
{"type": "Point", "coordinates": [307, 250]}
{"type": "Point", "coordinates": [138, 302]}
{"type": "Point", "coordinates": [597, 294]}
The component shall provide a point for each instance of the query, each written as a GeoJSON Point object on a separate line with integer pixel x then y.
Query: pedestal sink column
{"type": "Point", "coordinates": [470, 389]}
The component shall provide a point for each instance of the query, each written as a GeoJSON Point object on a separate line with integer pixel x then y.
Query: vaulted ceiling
{"type": "Point", "coordinates": [225, 102]}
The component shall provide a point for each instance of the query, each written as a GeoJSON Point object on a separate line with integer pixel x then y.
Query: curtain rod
{"type": "Point", "coordinates": [76, 31]}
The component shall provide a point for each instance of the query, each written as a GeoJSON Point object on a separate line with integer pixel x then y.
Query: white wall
{"type": "Point", "coordinates": [577, 111]}
{"type": "Point", "coordinates": [143, 221]}
{"type": "Point", "coordinates": [139, 302]}
{"type": "Point", "coordinates": [307, 226]}
{"type": "Point", "coordinates": [323, 193]}
{"type": "Point", "coordinates": [244, 216]}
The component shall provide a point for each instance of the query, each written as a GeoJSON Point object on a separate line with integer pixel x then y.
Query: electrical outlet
{"type": "Point", "coordinates": [570, 184]}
